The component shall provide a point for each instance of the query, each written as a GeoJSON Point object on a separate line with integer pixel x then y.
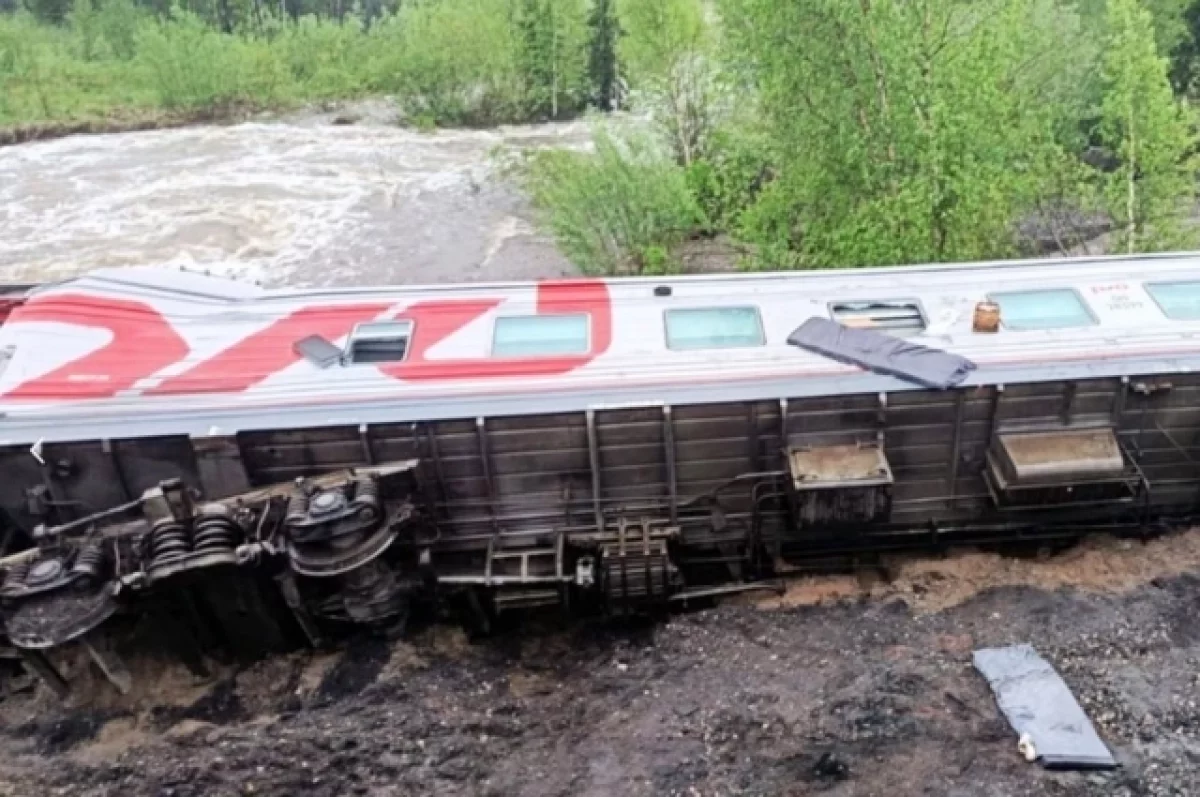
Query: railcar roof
{"type": "Point", "coordinates": [143, 351]}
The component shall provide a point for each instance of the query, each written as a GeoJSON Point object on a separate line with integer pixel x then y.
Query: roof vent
{"type": "Point", "coordinates": [892, 317]}
{"type": "Point", "coordinates": [318, 351]}
{"type": "Point", "coordinates": [380, 342]}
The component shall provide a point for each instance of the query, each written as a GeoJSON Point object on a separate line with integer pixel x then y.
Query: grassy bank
{"type": "Point", "coordinates": [451, 62]}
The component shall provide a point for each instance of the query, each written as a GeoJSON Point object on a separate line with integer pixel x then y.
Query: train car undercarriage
{"type": "Point", "coordinates": [268, 540]}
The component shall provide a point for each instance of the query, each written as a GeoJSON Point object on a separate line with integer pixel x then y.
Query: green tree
{"type": "Point", "coordinates": [1169, 18]}
{"type": "Point", "coordinates": [84, 19]}
{"type": "Point", "coordinates": [658, 33]}
{"type": "Point", "coordinates": [1148, 130]}
{"type": "Point", "coordinates": [1176, 26]}
{"type": "Point", "coordinates": [119, 21]}
{"type": "Point", "coordinates": [51, 11]}
{"type": "Point", "coordinates": [667, 50]}
{"type": "Point", "coordinates": [449, 62]}
{"type": "Point", "coordinates": [602, 68]}
{"type": "Point", "coordinates": [549, 54]}
{"type": "Point", "coordinates": [621, 209]}
{"type": "Point", "coordinates": [907, 130]}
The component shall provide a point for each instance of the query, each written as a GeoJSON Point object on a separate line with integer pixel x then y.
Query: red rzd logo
{"type": "Point", "coordinates": [142, 343]}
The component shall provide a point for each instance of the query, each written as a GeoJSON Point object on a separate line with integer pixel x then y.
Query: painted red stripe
{"type": "Point", "coordinates": [436, 320]}
{"type": "Point", "coordinates": [268, 351]}
{"type": "Point", "coordinates": [142, 343]}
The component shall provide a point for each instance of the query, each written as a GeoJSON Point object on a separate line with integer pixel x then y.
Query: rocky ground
{"type": "Point", "coordinates": [841, 687]}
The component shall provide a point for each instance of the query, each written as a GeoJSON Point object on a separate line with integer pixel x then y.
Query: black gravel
{"type": "Point", "coordinates": [854, 699]}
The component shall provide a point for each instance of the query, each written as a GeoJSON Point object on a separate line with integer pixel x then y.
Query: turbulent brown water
{"type": "Point", "coordinates": [298, 202]}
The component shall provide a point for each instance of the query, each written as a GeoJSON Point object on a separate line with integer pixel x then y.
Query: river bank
{"type": "Point", "coordinates": [125, 121]}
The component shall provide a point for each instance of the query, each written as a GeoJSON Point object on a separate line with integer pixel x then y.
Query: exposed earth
{"type": "Point", "coordinates": [843, 686]}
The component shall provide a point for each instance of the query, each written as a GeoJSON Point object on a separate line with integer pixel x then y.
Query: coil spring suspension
{"type": "Point", "coordinates": [15, 576]}
{"type": "Point", "coordinates": [297, 508]}
{"type": "Point", "coordinates": [168, 540]}
{"type": "Point", "coordinates": [366, 495]}
{"type": "Point", "coordinates": [90, 559]}
{"type": "Point", "coordinates": [215, 533]}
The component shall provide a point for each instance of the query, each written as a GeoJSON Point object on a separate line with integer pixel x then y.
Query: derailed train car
{"type": "Point", "coordinates": [253, 466]}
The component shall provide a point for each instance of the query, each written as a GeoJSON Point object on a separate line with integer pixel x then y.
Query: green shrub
{"type": "Point", "coordinates": [449, 61]}
{"type": "Point", "coordinates": [619, 210]}
{"type": "Point", "coordinates": [727, 180]}
{"type": "Point", "coordinates": [84, 19]}
{"type": "Point", "coordinates": [118, 22]}
{"type": "Point", "coordinates": [192, 65]}
{"type": "Point", "coordinates": [324, 57]}
{"type": "Point", "coordinates": [43, 77]}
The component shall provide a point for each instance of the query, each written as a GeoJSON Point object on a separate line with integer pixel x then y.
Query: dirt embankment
{"type": "Point", "coordinates": [1098, 564]}
{"type": "Point", "coordinates": [862, 689]}
{"type": "Point", "coordinates": [127, 121]}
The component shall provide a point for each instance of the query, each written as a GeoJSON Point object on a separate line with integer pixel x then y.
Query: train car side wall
{"type": "Point", "coordinates": [577, 470]}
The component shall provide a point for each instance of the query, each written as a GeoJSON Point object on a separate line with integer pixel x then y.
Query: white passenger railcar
{"type": "Point", "coordinates": [623, 441]}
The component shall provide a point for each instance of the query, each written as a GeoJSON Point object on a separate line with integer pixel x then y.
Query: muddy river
{"type": "Point", "coordinates": [299, 201]}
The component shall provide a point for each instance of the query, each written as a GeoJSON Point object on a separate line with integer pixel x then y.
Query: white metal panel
{"type": "Point", "coordinates": [212, 315]}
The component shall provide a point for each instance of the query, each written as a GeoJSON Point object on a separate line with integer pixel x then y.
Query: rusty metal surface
{"type": "Point", "coordinates": [1060, 455]}
{"type": "Point", "coordinates": [834, 466]}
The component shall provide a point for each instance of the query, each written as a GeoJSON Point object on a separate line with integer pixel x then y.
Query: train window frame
{"type": "Point", "coordinates": [362, 334]}
{"type": "Point", "coordinates": [758, 319]}
{"type": "Point", "coordinates": [915, 304]}
{"type": "Point", "coordinates": [1092, 320]}
{"type": "Point", "coordinates": [1149, 288]}
{"type": "Point", "coordinates": [587, 335]}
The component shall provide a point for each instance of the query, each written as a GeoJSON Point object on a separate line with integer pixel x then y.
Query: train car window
{"type": "Point", "coordinates": [714, 328]}
{"type": "Point", "coordinates": [1178, 300]}
{"type": "Point", "coordinates": [892, 317]}
{"type": "Point", "coordinates": [1054, 308]}
{"type": "Point", "coordinates": [380, 341]}
{"type": "Point", "coordinates": [540, 335]}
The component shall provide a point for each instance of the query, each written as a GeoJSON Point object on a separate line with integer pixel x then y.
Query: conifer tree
{"type": "Point", "coordinates": [603, 32]}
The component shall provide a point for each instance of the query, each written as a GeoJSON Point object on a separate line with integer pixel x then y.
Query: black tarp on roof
{"type": "Point", "coordinates": [883, 354]}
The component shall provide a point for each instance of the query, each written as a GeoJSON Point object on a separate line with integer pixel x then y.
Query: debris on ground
{"type": "Point", "coordinates": [1040, 707]}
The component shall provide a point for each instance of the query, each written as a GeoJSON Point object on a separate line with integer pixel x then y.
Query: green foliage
{"type": "Point", "coordinates": [118, 22]}
{"type": "Point", "coordinates": [907, 132]}
{"type": "Point", "coordinates": [1167, 16]}
{"type": "Point", "coordinates": [730, 179]}
{"type": "Point", "coordinates": [53, 12]}
{"type": "Point", "coordinates": [821, 132]}
{"type": "Point", "coordinates": [324, 57]}
{"type": "Point", "coordinates": [192, 65]}
{"type": "Point", "coordinates": [619, 210]}
{"type": "Point", "coordinates": [667, 50]}
{"type": "Point", "coordinates": [550, 55]}
{"type": "Point", "coordinates": [456, 62]}
{"type": "Point", "coordinates": [658, 33]}
{"type": "Point", "coordinates": [1154, 185]}
{"type": "Point", "coordinates": [84, 18]}
{"type": "Point", "coordinates": [42, 76]}
{"type": "Point", "coordinates": [602, 67]}
{"type": "Point", "coordinates": [451, 61]}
